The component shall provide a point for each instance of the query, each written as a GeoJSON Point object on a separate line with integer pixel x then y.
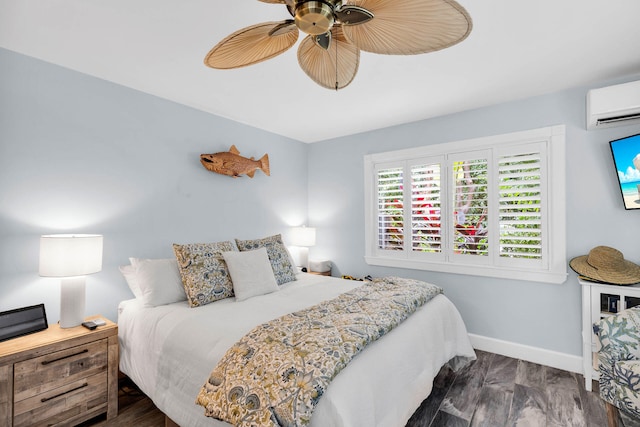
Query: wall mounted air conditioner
{"type": "Point", "coordinates": [613, 105]}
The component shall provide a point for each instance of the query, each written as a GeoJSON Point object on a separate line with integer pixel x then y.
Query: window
{"type": "Point", "coordinates": [484, 206]}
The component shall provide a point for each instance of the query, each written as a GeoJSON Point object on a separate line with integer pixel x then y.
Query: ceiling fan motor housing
{"type": "Point", "coordinates": [315, 17]}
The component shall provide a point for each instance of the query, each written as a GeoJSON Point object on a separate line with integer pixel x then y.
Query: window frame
{"type": "Point", "coordinates": [552, 267]}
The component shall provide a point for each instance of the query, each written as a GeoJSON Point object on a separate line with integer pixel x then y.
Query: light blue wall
{"type": "Point", "coordinates": [79, 154]}
{"type": "Point", "coordinates": [542, 315]}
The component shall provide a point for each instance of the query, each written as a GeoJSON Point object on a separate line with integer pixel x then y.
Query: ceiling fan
{"type": "Point", "coordinates": [338, 30]}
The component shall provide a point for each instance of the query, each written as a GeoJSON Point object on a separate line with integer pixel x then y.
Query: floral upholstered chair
{"type": "Point", "coordinates": [619, 363]}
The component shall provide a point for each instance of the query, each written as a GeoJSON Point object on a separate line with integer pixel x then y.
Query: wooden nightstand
{"type": "Point", "coordinates": [59, 376]}
{"type": "Point", "coordinates": [323, 273]}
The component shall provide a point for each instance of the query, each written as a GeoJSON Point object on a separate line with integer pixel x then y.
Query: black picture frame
{"type": "Point", "coordinates": [22, 321]}
{"type": "Point", "coordinates": [626, 158]}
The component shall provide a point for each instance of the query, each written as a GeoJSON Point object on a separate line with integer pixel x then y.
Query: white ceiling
{"type": "Point", "coordinates": [516, 49]}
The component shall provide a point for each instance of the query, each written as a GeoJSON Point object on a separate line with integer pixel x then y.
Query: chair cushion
{"type": "Point", "coordinates": [619, 335]}
{"type": "Point", "coordinates": [618, 356]}
{"type": "Point", "coordinates": [627, 374]}
{"type": "Point", "coordinates": [621, 387]}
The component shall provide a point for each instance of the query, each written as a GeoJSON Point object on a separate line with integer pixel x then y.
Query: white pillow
{"type": "Point", "coordinates": [129, 273]}
{"type": "Point", "coordinates": [159, 280]}
{"type": "Point", "coordinates": [251, 273]}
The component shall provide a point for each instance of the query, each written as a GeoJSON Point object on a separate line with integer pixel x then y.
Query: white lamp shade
{"type": "Point", "coordinates": [303, 236]}
{"type": "Point", "coordinates": [68, 255]}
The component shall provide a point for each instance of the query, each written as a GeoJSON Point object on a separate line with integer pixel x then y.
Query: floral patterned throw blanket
{"type": "Point", "coordinates": [275, 375]}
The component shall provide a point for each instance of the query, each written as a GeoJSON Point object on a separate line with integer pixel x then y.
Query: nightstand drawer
{"type": "Point", "coordinates": [52, 371]}
{"type": "Point", "coordinates": [62, 404]}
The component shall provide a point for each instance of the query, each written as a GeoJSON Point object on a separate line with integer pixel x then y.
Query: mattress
{"type": "Point", "coordinates": [170, 350]}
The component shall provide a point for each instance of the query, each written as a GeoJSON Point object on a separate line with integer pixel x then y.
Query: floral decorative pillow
{"type": "Point", "coordinates": [278, 256]}
{"type": "Point", "coordinates": [204, 273]}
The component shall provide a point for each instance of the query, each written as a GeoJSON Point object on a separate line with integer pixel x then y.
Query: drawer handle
{"type": "Point", "coordinates": [46, 362]}
{"type": "Point", "coordinates": [44, 399]}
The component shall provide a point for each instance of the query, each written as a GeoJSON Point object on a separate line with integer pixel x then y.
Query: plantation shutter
{"type": "Point", "coordinates": [491, 206]}
{"type": "Point", "coordinates": [520, 203]}
{"type": "Point", "coordinates": [426, 233]}
{"type": "Point", "coordinates": [470, 206]}
{"type": "Point", "coordinates": [390, 208]}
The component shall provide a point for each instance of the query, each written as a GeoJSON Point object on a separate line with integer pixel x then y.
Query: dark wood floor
{"type": "Point", "coordinates": [501, 391]}
{"type": "Point", "coordinates": [494, 391]}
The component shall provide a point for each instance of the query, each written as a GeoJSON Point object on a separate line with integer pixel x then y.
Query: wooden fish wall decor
{"type": "Point", "coordinates": [231, 163]}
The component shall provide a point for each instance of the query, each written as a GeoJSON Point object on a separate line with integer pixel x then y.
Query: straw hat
{"type": "Point", "coordinates": [606, 264]}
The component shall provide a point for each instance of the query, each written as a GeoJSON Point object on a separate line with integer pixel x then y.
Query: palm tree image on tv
{"type": "Point", "coordinates": [626, 156]}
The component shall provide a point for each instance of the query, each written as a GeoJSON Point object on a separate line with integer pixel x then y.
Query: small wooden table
{"type": "Point", "coordinates": [59, 375]}
{"type": "Point", "coordinates": [321, 273]}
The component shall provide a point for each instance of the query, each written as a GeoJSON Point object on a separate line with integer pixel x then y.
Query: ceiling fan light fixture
{"type": "Point", "coordinates": [314, 17]}
{"type": "Point", "coordinates": [330, 54]}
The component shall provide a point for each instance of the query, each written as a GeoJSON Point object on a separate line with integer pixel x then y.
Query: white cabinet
{"type": "Point", "coordinates": [600, 300]}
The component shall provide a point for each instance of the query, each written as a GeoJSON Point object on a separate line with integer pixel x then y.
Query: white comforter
{"type": "Point", "coordinates": [169, 352]}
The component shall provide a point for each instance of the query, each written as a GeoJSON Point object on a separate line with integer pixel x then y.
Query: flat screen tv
{"type": "Point", "coordinates": [626, 156]}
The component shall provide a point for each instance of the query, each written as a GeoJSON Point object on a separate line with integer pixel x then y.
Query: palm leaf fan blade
{"type": "Point", "coordinates": [251, 45]}
{"type": "Point", "coordinates": [322, 65]}
{"type": "Point", "coordinates": [409, 27]}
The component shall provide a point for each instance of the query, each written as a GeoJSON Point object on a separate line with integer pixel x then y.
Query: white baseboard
{"type": "Point", "coordinates": [541, 356]}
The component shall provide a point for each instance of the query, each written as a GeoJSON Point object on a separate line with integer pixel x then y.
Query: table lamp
{"type": "Point", "coordinates": [304, 237]}
{"type": "Point", "coordinates": [70, 257]}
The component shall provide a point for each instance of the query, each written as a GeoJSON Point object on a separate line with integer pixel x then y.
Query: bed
{"type": "Point", "coordinates": [169, 350]}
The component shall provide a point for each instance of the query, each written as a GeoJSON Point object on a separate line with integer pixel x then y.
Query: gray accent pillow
{"type": "Point", "coordinates": [279, 257]}
{"type": "Point", "coordinates": [251, 273]}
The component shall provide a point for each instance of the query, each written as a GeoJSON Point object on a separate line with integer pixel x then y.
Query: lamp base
{"type": "Point", "coordinates": [304, 257]}
{"type": "Point", "coordinates": [72, 301]}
